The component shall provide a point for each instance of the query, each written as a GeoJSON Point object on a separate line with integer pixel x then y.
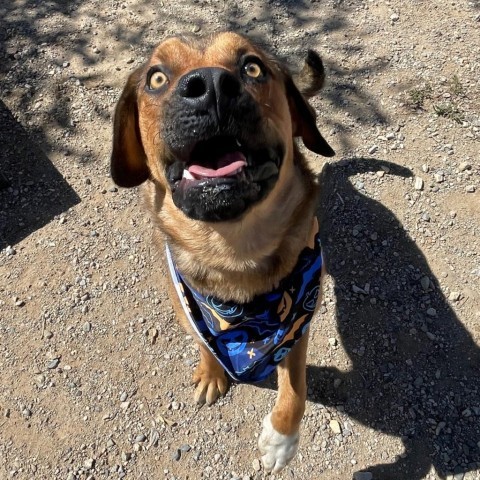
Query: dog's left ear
{"type": "Point", "coordinates": [310, 81]}
{"type": "Point", "coordinates": [128, 165]}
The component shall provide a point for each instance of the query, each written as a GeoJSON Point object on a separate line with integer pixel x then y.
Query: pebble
{"type": "Point", "coordinates": [362, 476]}
{"type": "Point", "coordinates": [140, 438]}
{"type": "Point", "coordinates": [465, 166]}
{"type": "Point", "coordinates": [454, 296]}
{"type": "Point", "coordinates": [123, 396]}
{"type": "Point", "coordinates": [87, 326]}
{"type": "Point", "coordinates": [333, 342]}
{"type": "Point", "coordinates": [373, 149]}
{"type": "Point", "coordinates": [418, 183]}
{"type": "Point", "coordinates": [425, 282]}
{"type": "Point", "coordinates": [439, 177]}
{"type": "Point", "coordinates": [10, 251]}
{"type": "Point", "coordinates": [185, 447]}
{"type": "Point", "coordinates": [394, 17]}
{"type": "Point", "coordinates": [432, 312]}
{"type": "Point", "coordinates": [335, 426]}
{"type": "Point", "coordinates": [89, 463]}
{"type": "Point", "coordinates": [470, 188]}
{"type": "Point", "coordinates": [53, 363]}
{"type": "Point", "coordinates": [256, 464]}
{"type": "Point", "coordinates": [126, 456]}
{"type": "Point", "coordinates": [176, 455]}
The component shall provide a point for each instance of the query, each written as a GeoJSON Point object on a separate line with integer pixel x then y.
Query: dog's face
{"type": "Point", "coordinates": [212, 123]}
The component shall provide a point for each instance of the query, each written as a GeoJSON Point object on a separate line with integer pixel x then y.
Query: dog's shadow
{"type": "Point", "coordinates": [415, 371]}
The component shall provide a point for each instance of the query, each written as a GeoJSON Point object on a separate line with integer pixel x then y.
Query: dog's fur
{"type": "Point", "coordinates": [243, 244]}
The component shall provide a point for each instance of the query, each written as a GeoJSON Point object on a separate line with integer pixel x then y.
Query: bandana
{"type": "Point", "coordinates": [251, 339]}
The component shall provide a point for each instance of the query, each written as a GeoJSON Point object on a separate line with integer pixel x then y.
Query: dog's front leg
{"type": "Point", "coordinates": [209, 377]}
{"type": "Point", "coordinates": [279, 439]}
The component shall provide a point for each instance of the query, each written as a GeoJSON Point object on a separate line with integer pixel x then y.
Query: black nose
{"type": "Point", "coordinates": [209, 88]}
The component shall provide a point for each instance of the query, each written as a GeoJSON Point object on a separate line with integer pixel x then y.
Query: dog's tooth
{"type": "Point", "coordinates": [188, 175]}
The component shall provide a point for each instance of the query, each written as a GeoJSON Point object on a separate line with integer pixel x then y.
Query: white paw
{"type": "Point", "coordinates": [277, 449]}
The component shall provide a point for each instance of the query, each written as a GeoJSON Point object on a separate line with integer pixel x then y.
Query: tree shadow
{"type": "Point", "coordinates": [291, 27]}
{"type": "Point", "coordinates": [416, 371]}
{"type": "Point", "coordinates": [32, 191]}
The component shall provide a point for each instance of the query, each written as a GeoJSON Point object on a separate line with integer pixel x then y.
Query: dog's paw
{"type": "Point", "coordinates": [277, 449]}
{"type": "Point", "coordinates": [210, 385]}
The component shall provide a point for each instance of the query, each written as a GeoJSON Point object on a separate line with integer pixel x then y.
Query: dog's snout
{"type": "Point", "coordinates": [208, 87]}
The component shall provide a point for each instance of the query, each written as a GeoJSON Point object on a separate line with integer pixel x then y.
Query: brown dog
{"type": "Point", "coordinates": [210, 126]}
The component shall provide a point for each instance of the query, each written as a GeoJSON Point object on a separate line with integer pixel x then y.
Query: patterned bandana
{"type": "Point", "coordinates": [251, 339]}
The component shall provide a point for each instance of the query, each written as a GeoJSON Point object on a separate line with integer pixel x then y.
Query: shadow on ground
{"type": "Point", "coordinates": [415, 375]}
{"type": "Point", "coordinates": [32, 191]}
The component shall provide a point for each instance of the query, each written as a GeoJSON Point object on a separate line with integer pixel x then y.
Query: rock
{"type": "Point", "coordinates": [26, 412]}
{"type": "Point", "coordinates": [394, 17]}
{"type": "Point", "coordinates": [439, 177]}
{"type": "Point", "coordinates": [176, 455]}
{"type": "Point", "coordinates": [425, 282]}
{"type": "Point", "coordinates": [470, 188]}
{"type": "Point", "coordinates": [373, 149]}
{"type": "Point", "coordinates": [465, 166]}
{"type": "Point", "coordinates": [126, 456]}
{"type": "Point", "coordinates": [335, 427]}
{"type": "Point", "coordinates": [256, 465]}
{"type": "Point", "coordinates": [454, 296]}
{"type": "Point", "coordinates": [89, 463]}
{"type": "Point", "coordinates": [362, 476]}
{"type": "Point", "coordinates": [432, 312]}
{"type": "Point", "coordinates": [53, 363]}
{"type": "Point", "coordinates": [418, 183]}
{"type": "Point", "coordinates": [333, 342]}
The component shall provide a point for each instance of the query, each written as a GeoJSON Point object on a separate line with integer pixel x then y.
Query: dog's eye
{"type": "Point", "coordinates": [253, 69]}
{"type": "Point", "coordinates": [157, 80]}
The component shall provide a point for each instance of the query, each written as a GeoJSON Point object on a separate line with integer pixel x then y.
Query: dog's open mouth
{"type": "Point", "coordinates": [224, 160]}
{"type": "Point", "coordinates": [222, 176]}
{"type": "Point", "coordinates": [215, 158]}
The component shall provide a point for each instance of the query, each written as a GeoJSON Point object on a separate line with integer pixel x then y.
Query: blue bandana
{"type": "Point", "coordinates": [251, 339]}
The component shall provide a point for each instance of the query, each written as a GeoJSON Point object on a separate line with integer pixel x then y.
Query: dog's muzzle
{"type": "Point", "coordinates": [221, 159]}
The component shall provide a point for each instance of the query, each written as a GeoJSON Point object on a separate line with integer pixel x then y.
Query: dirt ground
{"type": "Point", "coordinates": [95, 370]}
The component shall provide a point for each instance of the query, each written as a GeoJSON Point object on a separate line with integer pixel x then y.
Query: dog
{"type": "Point", "coordinates": [210, 127]}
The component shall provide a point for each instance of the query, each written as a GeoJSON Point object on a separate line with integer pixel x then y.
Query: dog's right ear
{"type": "Point", "coordinates": [128, 164]}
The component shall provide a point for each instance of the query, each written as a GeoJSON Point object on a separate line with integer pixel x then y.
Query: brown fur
{"type": "Point", "coordinates": [233, 260]}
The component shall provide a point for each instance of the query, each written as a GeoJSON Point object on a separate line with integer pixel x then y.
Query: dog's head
{"type": "Point", "coordinates": [213, 123]}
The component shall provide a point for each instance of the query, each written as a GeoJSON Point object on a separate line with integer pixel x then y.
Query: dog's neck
{"type": "Point", "coordinates": [238, 260]}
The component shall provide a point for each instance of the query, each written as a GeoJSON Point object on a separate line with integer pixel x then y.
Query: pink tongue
{"type": "Point", "coordinates": [231, 163]}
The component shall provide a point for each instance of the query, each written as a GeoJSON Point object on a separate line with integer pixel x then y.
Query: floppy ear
{"type": "Point", "coordinates": [310, 80]}
{"type": "Point", "coordinates": [128, 164]}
